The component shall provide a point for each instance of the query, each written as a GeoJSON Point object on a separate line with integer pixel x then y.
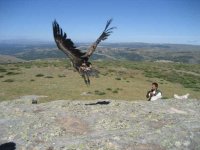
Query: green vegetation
{"type": "Point", "coordinates": [2, 69]}
{"type": "Point", "coordinates": [109, 89]}
{"type": "Point", "coordinates": [115, 91]}
{"type": "Point", "coordinates": [12, 73]}
{"type": "Point", "coordinates": [124, 80]}
{"type": "Point", "coordinates": [61, 76]}
{"type": "Point", "coordinates": [48, 77]}
{"type": "Point", "coordinates": [39, 75]}
{"type": "Point", "coordinates": [118, 78]}
{"type": "Point", "coordinates": [9, 80]}
{"type": "Point", "coordinates": [97, 92]}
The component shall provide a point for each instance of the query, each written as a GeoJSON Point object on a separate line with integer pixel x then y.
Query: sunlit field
{"type": "Point", "coordinates": [120, 80]}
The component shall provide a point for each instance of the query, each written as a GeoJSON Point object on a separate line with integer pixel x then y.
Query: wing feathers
{"type": "Point", "coordinates": [107, 31]}
{"type": "Point", "coordinates": [65, 44]}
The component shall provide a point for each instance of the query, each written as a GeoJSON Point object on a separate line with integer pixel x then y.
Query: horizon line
{"type": "Point", "coordinates": [33, 41]}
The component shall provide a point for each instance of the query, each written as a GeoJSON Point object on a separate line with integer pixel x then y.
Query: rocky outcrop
{"type": "Point", "coordinates": [100, 124]}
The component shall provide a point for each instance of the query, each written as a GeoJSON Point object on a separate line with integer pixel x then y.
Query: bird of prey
{"type": "Point", "coordinates": [78, 58]}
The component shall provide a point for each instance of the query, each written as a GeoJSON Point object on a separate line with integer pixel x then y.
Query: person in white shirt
{"type": "Point", "coordinates": [154, 93]}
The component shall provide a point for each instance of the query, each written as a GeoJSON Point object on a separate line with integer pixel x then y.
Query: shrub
{"type": "Point", "coordinates": [97, 92]}
{"type": "Point", "coordinates": [119, 89]}
{"type": "Point", "coordinates": [3, 70]}
{"type": "Point", "coordinates": [197, 89]}
{"type": "Point", "coordinates": [164, 97]}
{"type": "Point", "coordinates": [39, 75]}
{"type": "Point", "coordinates": [115, 91]}
{"type": "Point", "coordinates": [28, 67]}
{"type": "Point", "coordinates": [14, 68]}
{"type": "Point", "coordinates": [12, 73]}
{"type": "Point", "coordinates": [1, 76]}
{"type": "Point", "coordinates": [101, 93]}
{"type": "Point", "coordinates": [104, 74]}
{"type": "Point", "coordinates": [48, 77]}
{"type": "Point", "coordinates": [9, 80]}
{"type": "Point", "coordinates": [109, 89]}
{"type": "Point", "coordinates": [117, 78]}
{"type": "Point", "coordinates": [61, 76]}
{"type": "Point", "coordinates": [32, 80]}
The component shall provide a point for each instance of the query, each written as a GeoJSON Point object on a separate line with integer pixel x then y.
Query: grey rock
{"type": "Point", "coordinates": [129, 125]}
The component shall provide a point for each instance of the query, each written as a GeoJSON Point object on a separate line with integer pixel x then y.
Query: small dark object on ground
{"type": "Point", "coordinates": [99, 103]}
{"type": "Point", "coordinates": [34, 101]}
{"type": "Point", "coordinates": [8, 146]}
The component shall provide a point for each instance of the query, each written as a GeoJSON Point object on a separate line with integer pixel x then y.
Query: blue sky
{"type": "Point", "coordinates": [152, 21]}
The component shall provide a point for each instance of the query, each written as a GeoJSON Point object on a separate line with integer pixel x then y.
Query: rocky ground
{"type": "Point", "coordinates": [100, 124]}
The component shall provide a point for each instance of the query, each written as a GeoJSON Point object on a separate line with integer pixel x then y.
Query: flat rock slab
{"type": "Point", "coordinates": [100, 124]}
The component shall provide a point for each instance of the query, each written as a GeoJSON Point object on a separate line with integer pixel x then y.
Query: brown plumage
{"type": "Point", "coordinates": [76, 56]}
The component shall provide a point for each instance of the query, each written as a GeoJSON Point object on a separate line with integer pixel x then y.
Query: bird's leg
{"type": "Point", "coordinates": [84, 77]}
{"type": "Point", "coordinates": [88, 79]}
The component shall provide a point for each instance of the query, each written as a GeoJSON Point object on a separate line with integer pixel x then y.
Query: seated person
{"type": "Point", "coordinates": [154, 93]}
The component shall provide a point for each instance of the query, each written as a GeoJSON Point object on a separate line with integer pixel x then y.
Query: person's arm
{"type": "Point", "coordinates": [156, 97]}
{"type": "Point", "coordinates": [148, 94]}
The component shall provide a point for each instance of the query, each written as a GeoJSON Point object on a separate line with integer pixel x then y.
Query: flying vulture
{"type": "Point", "coordinates": [78, 58]}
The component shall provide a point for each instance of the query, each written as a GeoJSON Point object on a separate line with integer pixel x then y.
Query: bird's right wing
{"type": "Point", "coordinates": [65, 44]}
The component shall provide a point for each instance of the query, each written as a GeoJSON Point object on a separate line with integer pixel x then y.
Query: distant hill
{"type": "Point", "coordinates": [9, 59]}
{"type": "Point", "coordinates": [124, 51]}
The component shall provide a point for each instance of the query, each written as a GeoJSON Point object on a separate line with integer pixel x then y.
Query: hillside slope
{"type": "Point", "coordinates": [119, 51]}
{"type": "Point", "coordinates": [9, 59]}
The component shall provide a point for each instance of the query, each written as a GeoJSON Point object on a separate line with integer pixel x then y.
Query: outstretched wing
{"type": "Point", "coordinates": [106, 32]}
{"type": "Point", "coordinates": [65, 44]}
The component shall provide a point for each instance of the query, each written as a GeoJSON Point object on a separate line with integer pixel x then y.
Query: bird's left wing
{"type": "Point", "coordinates": [106, 32]}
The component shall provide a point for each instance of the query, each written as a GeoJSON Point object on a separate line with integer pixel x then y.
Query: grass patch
{"type": "Point", "coordinates": [12, 73]}
{"type": "Point", "coordinates": [14, 68]}
{"type": "Point", "coordinates": [109, 89]}
{"type": "Point", "coordinates": [2, 69]}
{"type": "Point", "coordinates": [117, 78]}
{"type": "Point", "coordinates": [61, 76]}
{"type": "Point", "coordinates": [39, 75]}
{"type": "Point", "coordinates": [97, 92]}
{"type": "Point", "coordinates": [115, 91]}
{"type": "Point", "coordinates": [165, 97]}
{"type": "Point", "coordinates": [9, 80]}
{"type": "Point", "coordinates": [27, 67]}
{"type": "Point", "coordinates": [49, 77]}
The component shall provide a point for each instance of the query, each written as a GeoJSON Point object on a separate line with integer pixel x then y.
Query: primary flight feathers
{"type": "Point", "coordinates": [66, 45]}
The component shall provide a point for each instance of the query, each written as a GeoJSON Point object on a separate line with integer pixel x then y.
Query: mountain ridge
{"type": "Point", "coordinates": [125, 51]}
